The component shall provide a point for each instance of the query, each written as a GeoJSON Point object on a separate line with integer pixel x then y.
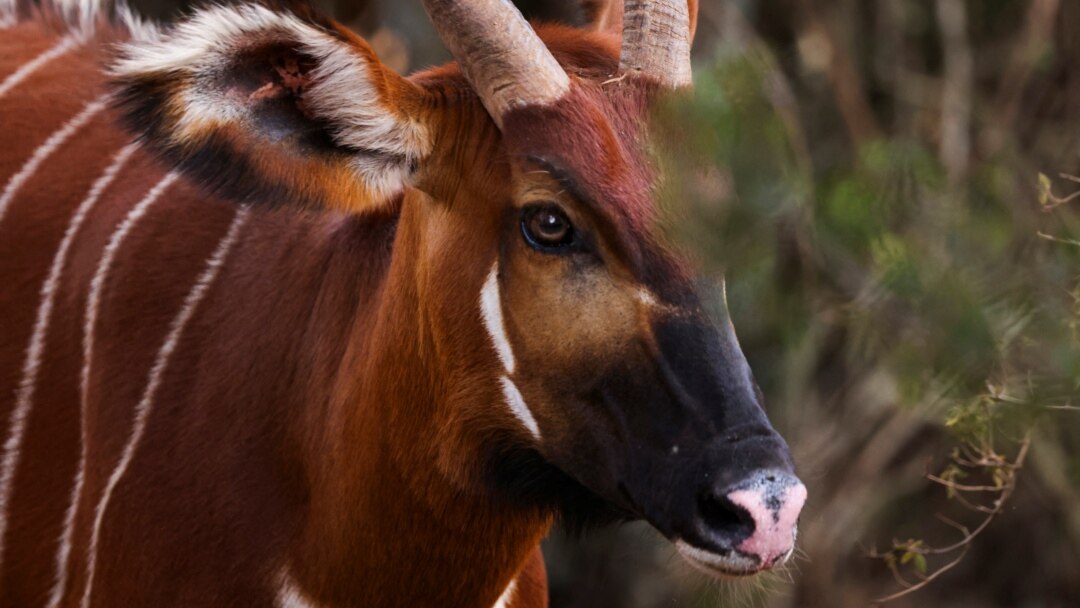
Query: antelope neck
{"type": "Point", "coordinates": [392, 468]}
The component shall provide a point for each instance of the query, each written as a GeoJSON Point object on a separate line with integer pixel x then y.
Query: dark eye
{"type": "Point", "coordinates": [547, 227]}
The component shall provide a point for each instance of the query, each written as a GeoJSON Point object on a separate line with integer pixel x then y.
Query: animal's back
{"type": "Point", "coordinates": [69, 180]}
{"type": "Point", "coordinates": [135, 311]}
{"type": "Point", "coordinates": [391, 377]}
{"type": "Point", "coordinates": [156, 344]}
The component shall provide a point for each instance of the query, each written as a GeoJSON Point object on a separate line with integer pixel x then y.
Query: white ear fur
{"type": "Point", "coordinates": [341, 92]}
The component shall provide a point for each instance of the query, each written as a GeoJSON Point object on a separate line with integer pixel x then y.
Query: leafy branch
{"type": "Point", "coordinates": [907, 560]}
{"type": "Point", "coordinates": [1048, 200]}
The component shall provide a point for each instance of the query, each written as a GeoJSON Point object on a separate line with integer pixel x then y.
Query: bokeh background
{"type": "Point", "coordinates": [884, 185]}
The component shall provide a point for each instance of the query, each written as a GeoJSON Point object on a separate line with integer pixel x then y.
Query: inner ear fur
{"type": "Point", "coordinates": [273, 107]}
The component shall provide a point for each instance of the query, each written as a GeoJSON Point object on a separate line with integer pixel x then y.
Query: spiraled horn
{"type": "Point", "coordinates": [656, 40]}
{"type": "Point", "coordinates": [503, 58]}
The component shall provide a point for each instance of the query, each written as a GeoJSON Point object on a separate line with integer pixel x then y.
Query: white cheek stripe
{"type": "Point", "coordinates": [507, 595]}
{"type": "Point", "coordinates": [491, 311]}
{"type": "Point", "coordinates": [289, 594]}
{"type": "Point", "coordinates": [66, 44]}
{"type": "Point", "coordinates": [491, 308]}
{"type": "Point", "coordinates": [518, 407]}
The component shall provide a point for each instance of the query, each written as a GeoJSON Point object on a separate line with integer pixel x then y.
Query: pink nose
{"type": "Point", "coordinates": [773, 504]}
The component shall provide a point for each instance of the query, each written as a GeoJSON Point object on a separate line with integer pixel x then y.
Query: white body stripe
{"type": "Point", "coordinates": [25, 393]}
{"type": "Point", "coordinates": [98, 281]}
{"type": "Point", "coordinates": [46, 149]}
{"type": "Point", "coordinates": [33, 359]}
{"type": "Point", "coordinates": [64, 45]}
{"type": "Point", "coordinates": [491, 309]}
{"type": "Point", "coordinates": [157, 372]}
{"type": "Point", "coordinates": [507, 595]}
{"type": "Point", "coordinates": [102, 273]}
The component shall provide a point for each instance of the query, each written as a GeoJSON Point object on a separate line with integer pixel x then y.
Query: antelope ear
{"type": "Point", "coordinates": [267, 106]}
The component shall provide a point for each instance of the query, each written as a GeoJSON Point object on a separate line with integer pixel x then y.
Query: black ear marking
{"type": "Point", "coordinates": [272, 107]}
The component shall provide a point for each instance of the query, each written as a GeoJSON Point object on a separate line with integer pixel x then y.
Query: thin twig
{"type": "Point", "coordinates": [1051, 201]}
{"type": "Point", "coordinates": [926, 581]}
{"type": "Point", "coordinates": [1055, 239]}
{"type": "Point", "coordinates": [962, 487]}
{"type": "Point", "coordinates": [985, 458]}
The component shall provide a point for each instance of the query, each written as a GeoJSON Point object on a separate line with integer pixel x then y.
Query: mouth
{"type": "Point", "coordinates": [733, 564]}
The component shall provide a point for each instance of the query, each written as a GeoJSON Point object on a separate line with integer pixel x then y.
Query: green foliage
{"type": "Point", "coordinates": [939, 282]}
{"type": "Point", "coordinates": [879, 266]}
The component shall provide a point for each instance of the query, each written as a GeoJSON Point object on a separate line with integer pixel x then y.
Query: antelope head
{"type": "Point", "coordinates": [605, 355]}
{"type": "Point", "coordinates": [527, 256]}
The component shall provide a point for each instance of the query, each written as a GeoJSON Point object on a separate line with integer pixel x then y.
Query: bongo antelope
{"type": "Point", "coordinates": [279, 326]}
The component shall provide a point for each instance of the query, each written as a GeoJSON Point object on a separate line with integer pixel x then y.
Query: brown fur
{"type": "Point", "coordinates": [281, 255]}
{"type": "Point", "coordinates": [330, 409]}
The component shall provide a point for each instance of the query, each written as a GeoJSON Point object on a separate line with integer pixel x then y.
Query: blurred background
{"type": "Point", "coordinates": [885, 186]}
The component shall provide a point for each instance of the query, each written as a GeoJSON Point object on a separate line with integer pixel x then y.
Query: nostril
{"type": "Point", "coordinates": [727, 523]}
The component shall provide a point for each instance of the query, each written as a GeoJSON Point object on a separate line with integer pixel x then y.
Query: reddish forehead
{"type": "Point", "coordinates": [594, 138]}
